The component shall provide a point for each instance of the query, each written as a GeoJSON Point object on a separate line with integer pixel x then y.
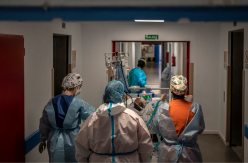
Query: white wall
{"type": "Point", "coordinates": [204, 38]}
{"type": "Point", "coordinates": [38, 62]}
{"type": "Point", "coordinates": [178, 53]}
{"type": "Point", "coordinates": [137, 52]}
{"type": "Point", "coordinates": [224, 28]}
{"type": "Point", "coordinates": [131, 52]}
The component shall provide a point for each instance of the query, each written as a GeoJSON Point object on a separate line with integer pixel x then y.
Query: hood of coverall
{"type": "Point", "coordinates": [116, 109]}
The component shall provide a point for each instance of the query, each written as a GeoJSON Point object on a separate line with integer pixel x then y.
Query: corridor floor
{"type": "Point", "coordinates": [153, 77]}
{"type": "Point", "coordinates": [214, 150]}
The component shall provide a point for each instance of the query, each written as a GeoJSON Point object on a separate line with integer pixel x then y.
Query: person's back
{"type": "Point", "coordinates": [59, 125]}
{"type": "Point", "coordinates": [179, 123]}
{"type": "Point", "coordinates": [113, 134]}
{"type": "Point", "coordinates": [137, 77]}
{"type": "Point", "coordinates": [180, 113]}
{"type": "Point", "coordinates": [130, 76]}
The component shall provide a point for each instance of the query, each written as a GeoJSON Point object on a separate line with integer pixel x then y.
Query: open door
{"type": "Point", "coordinates": [236, 87]}
{"type": "Point", "coordinates": [60, 61]}
{"type": "Point", "coordinates": [235, 125]}
{"type": "Point", "coordinates": [12, 105]}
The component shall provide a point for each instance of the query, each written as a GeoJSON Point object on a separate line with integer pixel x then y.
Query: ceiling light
{"type": "Point", "coordinates": [136, 20]}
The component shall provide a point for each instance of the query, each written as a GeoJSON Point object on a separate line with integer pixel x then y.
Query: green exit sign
{"type": "Point", "coordinates": [151, 37]}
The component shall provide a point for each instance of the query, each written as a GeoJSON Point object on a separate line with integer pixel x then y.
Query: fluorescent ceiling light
{"type": "Point", "coordinates": [136, 20]}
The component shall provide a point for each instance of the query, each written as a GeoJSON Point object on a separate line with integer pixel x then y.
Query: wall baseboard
{"type": "Point", "coordinates": [211, 132]}
{"type": "Point", "coordinates": [223, 139]}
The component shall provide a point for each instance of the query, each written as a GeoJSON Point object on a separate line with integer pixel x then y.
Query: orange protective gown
{"type": "Point", "coordinates": [179, 111]}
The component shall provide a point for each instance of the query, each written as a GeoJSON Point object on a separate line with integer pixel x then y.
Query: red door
{"type": "Point", "coordinates": [12, 98]}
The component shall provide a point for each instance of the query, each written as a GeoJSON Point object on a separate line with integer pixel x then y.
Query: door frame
{"type": "Point", "coordinates": [228, 94]}
{"type": "Point", "coordinates": [69, 59]}
{"type": "Point", "coordinates": [160, 42]}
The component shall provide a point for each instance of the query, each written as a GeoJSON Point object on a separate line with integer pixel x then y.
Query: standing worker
{"type": "Point", "coordinates": [137, 77]}
{"type": "Point", "coordinates": [60, 121]}
{"type": "Point", "coordinates": [113, 133]}
{"type": "Point", "coordinates": [179, 123]}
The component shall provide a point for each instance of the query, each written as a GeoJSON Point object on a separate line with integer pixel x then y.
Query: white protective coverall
{"type": "Point", "coordinates": [113, 129]}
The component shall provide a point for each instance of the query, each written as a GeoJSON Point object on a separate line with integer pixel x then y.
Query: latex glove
{"type": "Point", "coordinates": [147, 86]}
{"type": "Point", "coordinates": [163, 97]}
{"type": "Point", "coordinates": [42, 146]}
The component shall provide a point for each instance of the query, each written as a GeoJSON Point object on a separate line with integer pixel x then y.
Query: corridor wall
{"type": "Point", "coordinates": [204, 41]}
{"type": "Point", "coordinates": [38, 62]}
{"type": "Point", "coordinates": [224, 28]}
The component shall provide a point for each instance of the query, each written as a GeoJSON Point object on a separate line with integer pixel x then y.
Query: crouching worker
{"type": "Point", "coordinates": [113, 133]}
{"type": "Point", "coordinates": [179, 123]}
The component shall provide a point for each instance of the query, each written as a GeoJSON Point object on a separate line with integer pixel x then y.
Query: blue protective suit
{"type": "Point", "coordinates": [183, 148]}
{"type": "Point", "coordinates": [59, 125]}
{"type": "Point", "coordinates": [138, 78]}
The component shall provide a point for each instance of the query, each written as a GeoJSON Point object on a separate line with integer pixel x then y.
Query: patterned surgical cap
{"type": "Point", "coordinates": [72, 80]}
{"type": "Point", "coordinates": [178, 85]}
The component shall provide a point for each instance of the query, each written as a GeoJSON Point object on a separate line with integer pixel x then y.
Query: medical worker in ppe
{"type": "Point", "coordinates": [167, 74]}
{"type": "Point", "coordinates": [179, 123]}
{"type": "Point", "coordinates": [59, 124]}
{"type": "Point", "coordinates": [113, 133]}
{"type": "Point", "coordinates": [137, 77]}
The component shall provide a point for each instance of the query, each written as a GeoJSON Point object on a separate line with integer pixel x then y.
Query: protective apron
{"type": "Point", "coordinates": [60, 141]}
{"type": "Point", "coordinates": [183, 148]}
{"type": "Point", "coordinates": [113, 134]}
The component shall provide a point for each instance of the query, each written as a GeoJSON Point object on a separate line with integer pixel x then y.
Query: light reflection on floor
{"type": "Point", "coordinates": [153, 73]}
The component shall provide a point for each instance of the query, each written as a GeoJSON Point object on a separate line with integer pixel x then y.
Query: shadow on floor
{"type": "Point", "coordinates": [214, 150]}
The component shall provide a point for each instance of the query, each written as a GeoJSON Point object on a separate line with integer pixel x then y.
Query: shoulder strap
{"type": "Point", "coordinates": [154, 112]}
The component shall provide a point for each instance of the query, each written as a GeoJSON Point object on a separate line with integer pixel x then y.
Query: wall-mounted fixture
{"type": "Point", "coordinates": [153, 21]}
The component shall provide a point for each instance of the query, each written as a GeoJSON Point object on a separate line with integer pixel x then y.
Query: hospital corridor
{"type": "Point", "coordinates": [123, 81]}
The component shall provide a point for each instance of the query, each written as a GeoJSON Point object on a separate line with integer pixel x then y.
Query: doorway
{"type": "Point", "coordinates": [236, 124]}
{"type": "Point", "coordinates": [237, 49]}
{"type": "Point", "coordinates": [60, 60]}
{"type": "Point", "coordinates": [158, 56]}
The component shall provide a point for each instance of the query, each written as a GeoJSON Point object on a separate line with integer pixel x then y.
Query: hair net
{"type": "Point", "coordinates": [178, 85]}
{"type": "Point", "coordinates": [113, 92]}
{"type": "Point", "coordinates": [72, 80]}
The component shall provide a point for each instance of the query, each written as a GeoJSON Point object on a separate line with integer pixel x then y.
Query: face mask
{"type": "Point", "coordinates": [78, 92]}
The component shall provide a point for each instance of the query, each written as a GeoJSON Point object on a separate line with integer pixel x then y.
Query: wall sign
{"type": "Point", "coordinates": [73, 58]}
{"type": "Point", "coordinates": [151, 37]}
{"type": "Point", "coordinates": [246, 59]}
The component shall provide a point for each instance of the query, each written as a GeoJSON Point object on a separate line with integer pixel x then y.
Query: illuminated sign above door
{"type": "Point", "coordinates": [151, 37]}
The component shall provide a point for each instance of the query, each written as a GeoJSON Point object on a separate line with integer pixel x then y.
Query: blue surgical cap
{"type": "Point", "coordinates": [113, 92]}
